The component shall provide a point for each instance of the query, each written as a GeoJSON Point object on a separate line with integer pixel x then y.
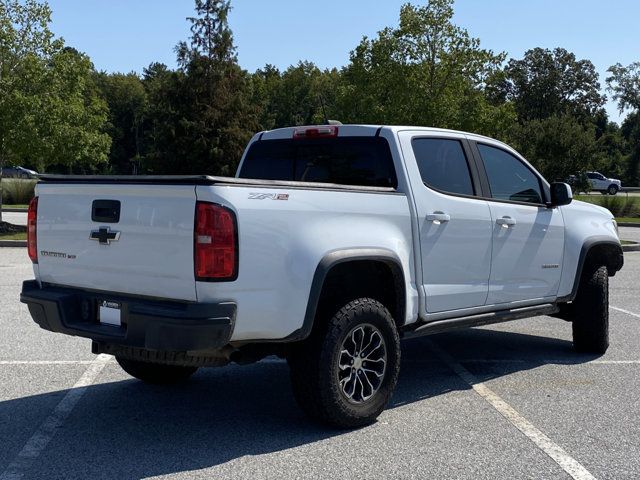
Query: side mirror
{"type": "Point", "coordinates": [560, 194]}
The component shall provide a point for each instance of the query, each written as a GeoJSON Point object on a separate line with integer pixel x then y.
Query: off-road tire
{"type": "Point", "coordinates": [591, 311]}
{"type": "Point", "coordinates": [314, 366]}
{"type": "Point", "coordinates": [156, 373]}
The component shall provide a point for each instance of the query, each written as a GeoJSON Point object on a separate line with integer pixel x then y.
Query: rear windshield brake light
{"type": "Point", "coordinates": [321, 131]}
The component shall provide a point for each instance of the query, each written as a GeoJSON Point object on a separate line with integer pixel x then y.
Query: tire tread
{"type": "Point", "coordinates": [591, 313]}
{"type": "Point", "coordinates": [319, 397]}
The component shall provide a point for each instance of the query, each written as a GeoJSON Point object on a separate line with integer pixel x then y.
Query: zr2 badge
{"type": "Point", "coordinates": [270, 196]}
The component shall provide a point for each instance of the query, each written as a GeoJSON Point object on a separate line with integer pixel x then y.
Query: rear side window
{"type": "Point", "coordinates": [363, 161]}
{"type": "Point", "coordinates": [443, 165]}
{"type": "Point", "coordinates": [509, 178]}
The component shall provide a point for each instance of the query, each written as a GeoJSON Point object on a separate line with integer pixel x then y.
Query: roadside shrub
{"type": "Point", "coordinates": [619, 205]}
{"type": "Point", "coordinates": [580, 183]}
{"type": "Point", "coordinates": [17, 191]}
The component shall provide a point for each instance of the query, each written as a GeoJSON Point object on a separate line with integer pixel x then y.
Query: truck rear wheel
{"type": "Point", "coordinates": [156, 373]}
{"type": "Point", "coordinates": [346, 372]}
{"type": "Point", "coordinates": [591, 311]}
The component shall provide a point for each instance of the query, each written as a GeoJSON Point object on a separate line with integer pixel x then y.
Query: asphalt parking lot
{"type": "Point", "coordinates": [536, 409]}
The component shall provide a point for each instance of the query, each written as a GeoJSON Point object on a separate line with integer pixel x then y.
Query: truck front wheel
{"type": "Point", "coordinates": [591, 311]}
{"type": "Point", "coordinates": [156, 373]}
{"type": "Point", "coordinates": [346, 372]}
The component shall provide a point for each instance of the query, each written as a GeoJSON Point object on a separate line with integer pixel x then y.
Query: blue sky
{"type": "Point", "coordinates": [127, 35]}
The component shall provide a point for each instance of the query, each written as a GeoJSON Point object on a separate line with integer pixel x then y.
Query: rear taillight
{"type": "Point", "coordinates": [320, 131]}
{"type": "Point", "coordinates": [215, 243]}
{"type": "Point", "coordinates": [32, 230]}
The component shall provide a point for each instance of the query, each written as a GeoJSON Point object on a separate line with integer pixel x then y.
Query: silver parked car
{"type": "Point", "coordinates": [18, 172]}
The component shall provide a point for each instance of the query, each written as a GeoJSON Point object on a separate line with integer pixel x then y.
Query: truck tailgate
{"type": "Point", "coordinates": [147, 251]}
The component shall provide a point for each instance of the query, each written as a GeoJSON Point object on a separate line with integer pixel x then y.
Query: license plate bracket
{"type": "Point", "coordinates": [110, 313]}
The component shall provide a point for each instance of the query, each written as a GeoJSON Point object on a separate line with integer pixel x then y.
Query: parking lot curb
{"type": "Point", "coordinates": [13, 243]}
{"type": "Point", "coordinates": [631, 247]}
{"type": "Point", "coordinates": [629, 224]}
{"type": "Point", "coordinates": [14, 210]}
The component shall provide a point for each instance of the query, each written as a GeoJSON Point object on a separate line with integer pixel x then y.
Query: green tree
{"type": "Point", "coordinates": [127, 100]}
{"type": "Point", "coordinates": [25, 39]}
{"type": "Point", "coordinates": [207, 118]}
{"type": "Point", "coordinates": [50, 112]}
{"type": "Point", "coordinates": [561, 125]}
{"type": "Point", "coordinates": [264, 86]}
{"type": "Point", "coordinates": [168, 131]}
{"type": "Point", "coordinates": [558, 146]}
{"type": "Point", "coordinates": [630, 130]}
{"type": "Point", "coordinates": [612, 148]}
{"type": "Point", "coordinates": [427, 71]}
{"type": "Point", "coordinates": [71, 118]}
{"type": "Point", "coordinates": [624, 84]}
{"type": "Point", "coordinates": [295, 97]}
{"type": "Point", "coordinates": [545, 83]}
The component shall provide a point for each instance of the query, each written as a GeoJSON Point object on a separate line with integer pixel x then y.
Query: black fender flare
{"type": "Point", "coordinates": [325, 265]}
{"type": "Point", "coordinates": [616, 261]}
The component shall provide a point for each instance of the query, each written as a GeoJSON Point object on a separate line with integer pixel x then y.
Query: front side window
{"type": "Point", "coordinates": [443, 165]}
{"type": "Point", "coordinates": [509, 178]}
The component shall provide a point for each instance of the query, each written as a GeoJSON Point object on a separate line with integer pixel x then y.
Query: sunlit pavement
{"type": "Point", "coordinates": [66, 414]}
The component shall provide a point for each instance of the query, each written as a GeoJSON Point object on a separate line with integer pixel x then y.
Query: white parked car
{"type": "Point", "coordinates": [330, 245]}
{"type": "Point", "coordinates": [603, 184]}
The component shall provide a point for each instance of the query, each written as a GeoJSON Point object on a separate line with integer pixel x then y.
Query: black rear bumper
{"type": "Point", "coordinates": [149, 324]}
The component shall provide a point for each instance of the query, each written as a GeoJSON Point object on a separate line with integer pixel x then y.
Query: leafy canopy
{"type": "Point", "coordinates": [624, 83]}
{"type": "Point", "coordinates": [50, 110]}
{"type": "Point", "coordinates": [427, 71]}
{"type": "Point", "coordinates": [549, 82]}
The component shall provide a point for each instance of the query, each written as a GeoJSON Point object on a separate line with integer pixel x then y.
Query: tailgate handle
{"type": "Point", "coordinates": [105, 211]}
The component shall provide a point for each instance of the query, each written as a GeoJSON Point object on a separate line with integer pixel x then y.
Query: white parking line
{"type": "Point", "coordinates": [41, 438]}
{"type": "Point", "coordinates": [615, 362]}
{"type": "Point", "coordinates": [544, 443]}
{"type": "Point", "coordinates": [46, 362]}
{"type": "Point", "coordinates": [550, 361]}
{"type": "Point", "coordinates": [625, 311]}
{"type": "Point", "coordinates": [543, 361]}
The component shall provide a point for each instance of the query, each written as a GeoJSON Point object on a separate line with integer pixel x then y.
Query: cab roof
{"type": "Point", "coordinates": [355, 130]}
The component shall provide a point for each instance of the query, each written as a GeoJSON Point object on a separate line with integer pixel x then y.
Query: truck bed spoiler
{"type": "Point", "coordinates": [203, 180]}
{"type": "Point", "coordinates": [132, 179]}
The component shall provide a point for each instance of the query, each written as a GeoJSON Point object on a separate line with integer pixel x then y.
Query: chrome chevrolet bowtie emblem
{"type": "Point", "coordinates": [104, 235]}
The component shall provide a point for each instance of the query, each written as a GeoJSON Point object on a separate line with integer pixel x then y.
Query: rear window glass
{"type": "Point", "coordinates": [363, 161]}
{"type": "Point", "coordinates": [443, 164]}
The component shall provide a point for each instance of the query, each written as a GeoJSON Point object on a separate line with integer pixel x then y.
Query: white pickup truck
{"type": "Point", "coordinates": [330, 245]}
{"type": "Point", "coordinates": [603, 184]}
